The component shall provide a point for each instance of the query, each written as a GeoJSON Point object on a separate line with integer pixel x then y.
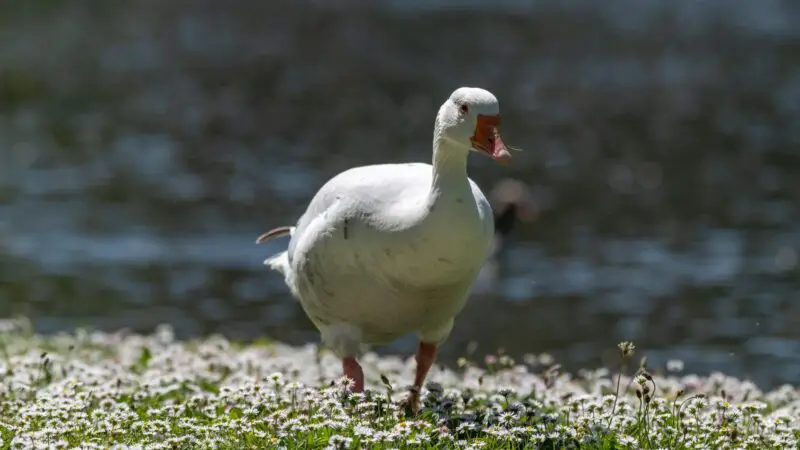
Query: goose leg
{"type": "Point", "coordinates": [426, 355]}
{"type": "Point", "coordinates": [352, 369]}
{"type": "Point", "coordinates": [344, 340]}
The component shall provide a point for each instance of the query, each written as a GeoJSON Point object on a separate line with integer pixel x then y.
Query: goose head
{"type": "Point", "coordinates": [469, 121]}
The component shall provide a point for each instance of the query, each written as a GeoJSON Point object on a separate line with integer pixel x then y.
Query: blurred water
{"type": "Point", "coordinates": [144, 147]}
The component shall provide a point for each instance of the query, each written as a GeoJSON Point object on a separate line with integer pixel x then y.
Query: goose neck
{"type": "Point", "coordinates": [449, 166]}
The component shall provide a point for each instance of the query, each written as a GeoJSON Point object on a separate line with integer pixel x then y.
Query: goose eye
{"type": "Point", "coordinates": [463, 109]}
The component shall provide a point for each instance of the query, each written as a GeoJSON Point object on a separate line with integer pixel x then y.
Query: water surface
{"type": "Point", "coordinates": [143, 148]}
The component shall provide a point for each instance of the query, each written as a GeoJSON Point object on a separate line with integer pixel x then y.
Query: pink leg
{"type": "Point", "coordinates": [352, 369]}
{"type": "Point", "coordinates": [426, 354]}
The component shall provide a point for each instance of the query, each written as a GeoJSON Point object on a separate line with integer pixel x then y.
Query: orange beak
{"type": "Point", "coordinates": [487, 139]}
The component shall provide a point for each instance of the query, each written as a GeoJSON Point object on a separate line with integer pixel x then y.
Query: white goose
{"type": "Point", "coordinates": [388, 249]}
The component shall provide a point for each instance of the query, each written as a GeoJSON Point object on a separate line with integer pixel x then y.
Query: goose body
{"type": "Point", "coordinates": [387, 249]}
{"type": "Point", "coordinates": [375, 257]}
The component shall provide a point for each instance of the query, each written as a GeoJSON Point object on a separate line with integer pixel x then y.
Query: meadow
{"type": "Point", "coordinates": [97, 390]}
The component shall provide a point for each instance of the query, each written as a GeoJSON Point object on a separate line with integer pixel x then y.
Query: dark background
{"type": "Point", "coordinates": [144, 145]}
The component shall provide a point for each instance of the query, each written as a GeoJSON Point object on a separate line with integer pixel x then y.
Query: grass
{"type": "Point", "coordinates": [123, 390]}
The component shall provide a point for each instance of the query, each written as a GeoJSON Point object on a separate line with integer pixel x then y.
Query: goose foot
{"type": "Point", "coordinates": [411, 404]}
